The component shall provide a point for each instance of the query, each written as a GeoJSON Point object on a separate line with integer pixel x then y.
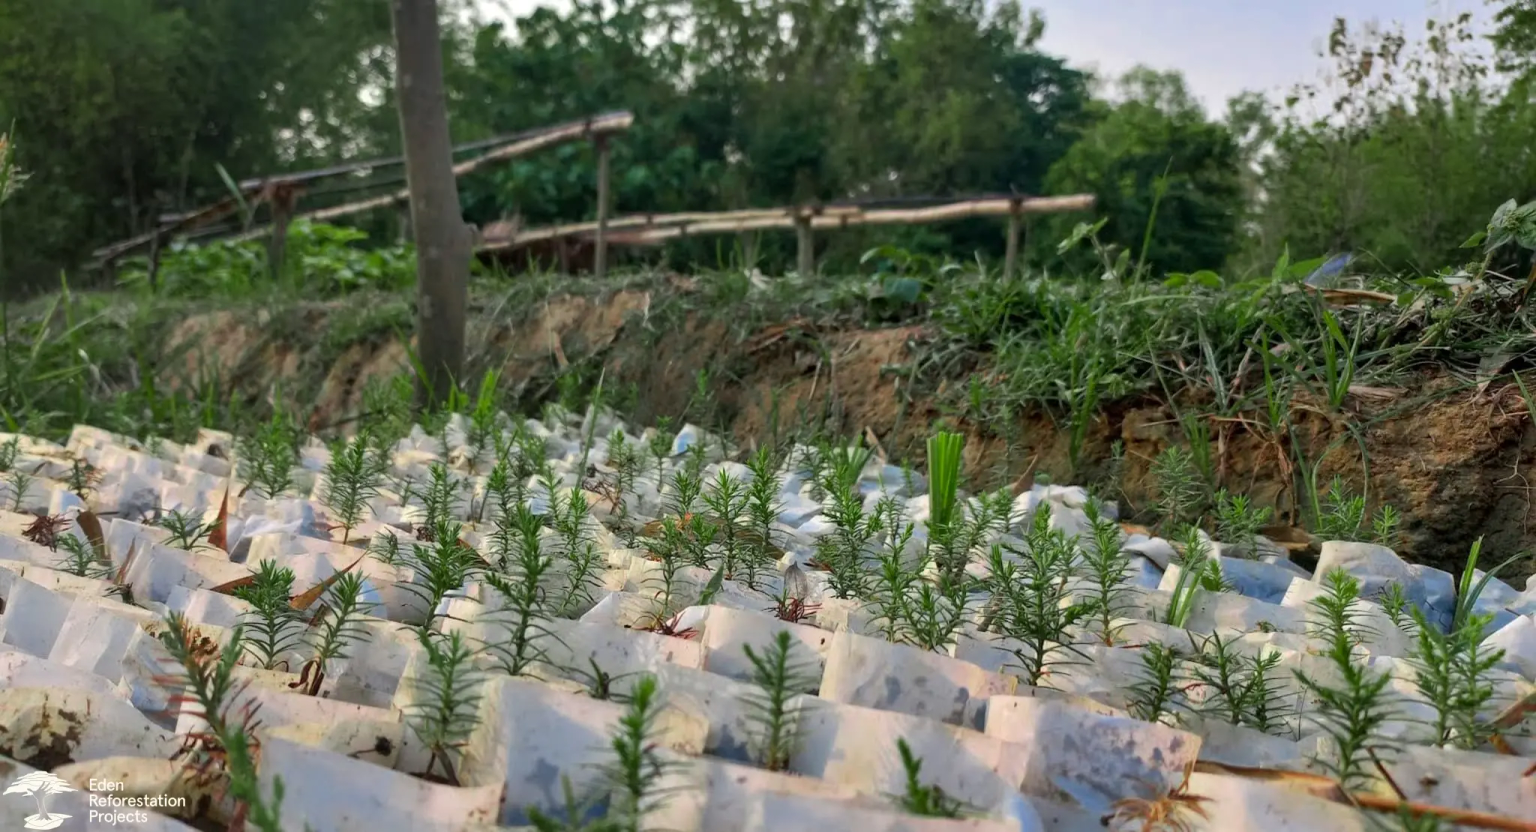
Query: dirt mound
{"type": "Point", "coordinates": [1454, 465]}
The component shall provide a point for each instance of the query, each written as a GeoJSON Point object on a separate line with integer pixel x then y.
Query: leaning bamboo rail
{"type": "Point", "coordinates": [597, 127]}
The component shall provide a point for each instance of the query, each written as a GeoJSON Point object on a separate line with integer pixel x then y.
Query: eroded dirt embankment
{"type": "Point", "coordinates": [1452, 461]}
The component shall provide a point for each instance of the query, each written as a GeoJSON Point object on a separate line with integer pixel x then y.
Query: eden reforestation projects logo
{"type": "Point", "coordinates": [107, 802]}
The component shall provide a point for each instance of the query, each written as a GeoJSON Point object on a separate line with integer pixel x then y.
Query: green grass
{"type": "Point", "coordinates": [1242, 351]}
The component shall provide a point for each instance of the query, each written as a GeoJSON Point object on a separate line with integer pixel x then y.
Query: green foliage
{"type": "Point", "coordinates": [158, 92]}
{"type": "Point", "coordinates": [1353, 707]}
{"type": "Point", "coordinates": [1155, 161]}
{"type": "Point", "coordinates": [186, 529]}
{"type": "Point", "coordinates": [1154, 693]}
{"type": "Point", "coordinates": [634, 775]}
{"type": "Point", "coordinates": [1105, 564]}
{"type": "Point", "coordinates": [445, 703]}
{"type": "Point", "coordinates": [1034, 605]}
{"type": "Point", "coordinates": [921, 799]}
{"type": "Point", "coordinates": [1193, 566]}
{"type": "Point", "coordinates": [319, 260]}
{"type": "Point", "coordinates": [1237, 524]}
{"type": "Point", "coordinates": [211, 690]}
{"type": "Point", "coordinates": [275, 625]}
{"type": "Point", "coordinates": [352, 478]}
{"type": "Point", "coordinates": [338, 627]}
{"type": "Point", "coordinates": [774, 708]}
{"type": "Point", "coordinates": [270, 455]}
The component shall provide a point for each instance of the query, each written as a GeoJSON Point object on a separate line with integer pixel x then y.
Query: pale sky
{"type": "Point", "coordinates": [1222, 46]}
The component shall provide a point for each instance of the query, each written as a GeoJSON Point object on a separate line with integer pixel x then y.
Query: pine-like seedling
{"type": "Point", "coordinates": [274, 626]}
{"type": "Point", "coordinates": [775, 707]}
{"type": "Point", "coordinates": [445, 704]}
{"type": "Point", "coordinates": [1353, 711]}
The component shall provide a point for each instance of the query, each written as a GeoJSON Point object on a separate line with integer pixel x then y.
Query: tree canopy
{"type": "Point", "coordinates": [127, 109]}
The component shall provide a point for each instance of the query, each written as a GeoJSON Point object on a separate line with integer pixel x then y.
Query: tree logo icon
{"type": "Point", "coordinates": [38, 785]}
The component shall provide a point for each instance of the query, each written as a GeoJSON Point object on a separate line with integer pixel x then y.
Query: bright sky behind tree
{"type": "Point", "coordinates": [1223, 47]}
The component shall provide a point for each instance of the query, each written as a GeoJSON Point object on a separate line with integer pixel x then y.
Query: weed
{"type": "Point", "coordinates": [919, 799]}
{"type": "Point", "coordinates": [445, 705]}
{"type": "Point", "coordinates": [275, 626]}
{"type": "Point", "coordinates": [945, 514]}
{"type": "Point", "coordinates": [774, 708]}
{"type": "Point", "coordinates": [9, 450]}
{"type": "Point", "coordinates": [1192, 568]}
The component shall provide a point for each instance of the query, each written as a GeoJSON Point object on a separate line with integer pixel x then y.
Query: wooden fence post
{"type": "Point", "coordinates": [1011, 252]}
{"type": "Point", "coordinates": [600, 247]}
{"type": "Point", "coordinates": [154, 262]}
{"type": "Point", "coordinates": [805, 261]}
{"type": "Point", "coordinates": [282, 198]}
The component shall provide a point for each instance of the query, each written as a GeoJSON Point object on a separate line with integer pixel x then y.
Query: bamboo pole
{"type": "Point", "coordinates": [654, 229]}
{"type": "Point", "coordinates": [600, 249]}
{"type": "Point", "coordinates": [600, 126]}
{"type": "Point", "coordinates": [1011, 248]}
{"type": "Point", "coordinates": [508, 233]}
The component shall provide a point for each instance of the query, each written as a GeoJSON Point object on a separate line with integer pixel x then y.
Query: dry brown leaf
{"type": "Point", "coordinates": [219, 536]}
{"type": "Point", "coordinates": [91, 525]}
{"type": "Point", "coordinates": [122, 571]}
{"type": "Point", "coordinates": [229, 587]}
{"type": "Point", "coordinates": [304, 600]}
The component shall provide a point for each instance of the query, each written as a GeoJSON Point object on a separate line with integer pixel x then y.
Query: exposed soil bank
{"type": "Point", "coordinates": [1451, 460]}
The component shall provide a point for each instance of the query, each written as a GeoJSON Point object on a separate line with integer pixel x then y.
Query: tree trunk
{"type": "Point", "coordinates": [442, 238]}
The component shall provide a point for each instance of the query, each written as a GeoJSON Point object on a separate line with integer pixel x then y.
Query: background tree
{"type": "Point", "coordinates": [1157, 140]}
{"type": "Point", "coordinates": [442, 239]}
